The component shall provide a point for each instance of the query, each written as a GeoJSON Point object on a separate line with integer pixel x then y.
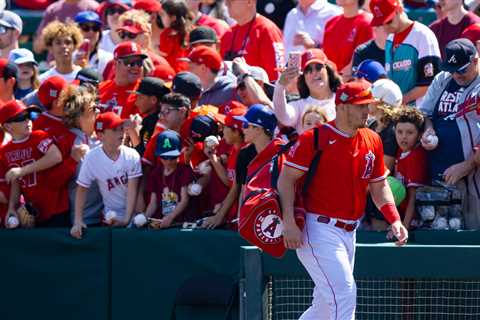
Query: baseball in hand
{"type": "Point", "coordinates": [110, 215]}
{"type": "Point", "coordinates": [204, 167]}
{"type": "Point", "coordinates": [432, 140]}
{"type": "Point", "coordinates": [13, 222]}
{"type": "Point", "coordinates": [211, 142]}
{"type": "Point", "coordinates": [194, 189]}
{"type": "Point", "coordinates": [140, 220]}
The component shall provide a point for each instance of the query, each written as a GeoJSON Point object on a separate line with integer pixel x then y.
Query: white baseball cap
{"type": "Point", "coordinates": [387, 91]}
{"type": "Point", "coordinates": [21, 55]}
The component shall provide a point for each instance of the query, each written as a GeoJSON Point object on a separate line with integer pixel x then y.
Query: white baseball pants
{"type": "Point", "coordinates": [328, 255]}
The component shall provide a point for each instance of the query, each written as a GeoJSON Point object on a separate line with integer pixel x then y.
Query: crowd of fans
{"type": "Point", "coordinates": [151, 111]}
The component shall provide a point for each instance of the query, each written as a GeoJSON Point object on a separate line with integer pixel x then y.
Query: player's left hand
{"type": "Point", "coordinates": [398, 231]}
{"type": "Point", "coordinates": [13, 174]}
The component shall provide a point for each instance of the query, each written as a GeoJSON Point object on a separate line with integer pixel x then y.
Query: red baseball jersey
{"type": "Point", "coordinates": [36, 187]}
{"type": "Point", "coordinates": [64, 140]}
{"type": "Point", "coordinates": [346, 167]}
{"type": "Point", "coordinates": [117, 98]}
{"type": "Point", "coordinates": [348, 34]}
{"type": "Point", "coordinates": [171, 48]}
{"type": "Point", "coordinates": [260, 42]}
{"type": "Point", "coordinates": [411, 167]}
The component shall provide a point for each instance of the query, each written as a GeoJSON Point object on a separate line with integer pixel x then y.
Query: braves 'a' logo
{"type": "Point", "coordinates": [369, 158]}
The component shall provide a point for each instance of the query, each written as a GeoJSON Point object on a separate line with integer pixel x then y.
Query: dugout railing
{"type": "Point", "coordinates": [415, 282]}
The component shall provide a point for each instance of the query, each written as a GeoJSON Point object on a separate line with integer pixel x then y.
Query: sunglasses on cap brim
{"type": "Point", "coordinates": [20, 118]}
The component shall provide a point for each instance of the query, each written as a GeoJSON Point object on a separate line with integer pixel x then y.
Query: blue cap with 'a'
{"type": "Point", "coordinates": [168, 144]}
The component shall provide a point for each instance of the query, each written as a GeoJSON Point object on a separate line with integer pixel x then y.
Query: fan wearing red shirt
{"type": "Point", "coordinates": [411, 160]}
{"type": "Point", "coordinates": [27, 158]}
{"type": "Point", "coordinates": [115, 95]}
{"type": "Point", "coordinates": [201, 19]}
{"type": "Point", "coordinates": [174, 38]}
{"type": "Point", "coordinates": [254, 37]}
{"type": "Point", "coordinates": [351, 162]}
{"type": "Point", "coordinates": [347, 31]}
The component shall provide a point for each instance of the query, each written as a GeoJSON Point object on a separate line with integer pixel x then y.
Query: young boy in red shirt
{"type": "Point", "coordinates": [27, 158]}
{"type": "Point", "coordinates": [411, 160]}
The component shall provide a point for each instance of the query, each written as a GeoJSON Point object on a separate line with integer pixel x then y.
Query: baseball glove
{"type": "Point", "coordinates": [27, 215]}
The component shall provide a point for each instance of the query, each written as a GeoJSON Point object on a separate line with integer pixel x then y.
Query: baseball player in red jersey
{"type": "Point", "coordinates": [351, 161]}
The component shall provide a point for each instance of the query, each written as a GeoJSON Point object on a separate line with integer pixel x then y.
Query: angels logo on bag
{"type": "Point", "coordinates": [268, 227]}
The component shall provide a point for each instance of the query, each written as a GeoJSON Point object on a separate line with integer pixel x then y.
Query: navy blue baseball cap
{"type": "Point", "coordinates": [370, 70]}
{"type": "Point", "coordinates": [259, 115]}
{"type": "Point", "coordinates": [88, 17]}
{"type": "Point", "coordinates": [188, 84]}
{"type": "Point", "coordinates": [169, 144]}
{"type": "Point", "coordinates": [459, 54]}
{"type": "Point", "coordinates": [202, 127]}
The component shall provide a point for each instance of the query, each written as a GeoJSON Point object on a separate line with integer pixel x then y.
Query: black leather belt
{"type": "Point", "coordinates": [339, 224]}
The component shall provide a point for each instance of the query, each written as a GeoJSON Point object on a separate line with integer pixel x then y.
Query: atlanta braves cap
{"type": "Point", "coordinates": [459, 53]}
{"type": "Point", "coordinates": [168, 144]}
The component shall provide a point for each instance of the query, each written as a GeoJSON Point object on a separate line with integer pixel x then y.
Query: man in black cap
{"type": "Point", "coordinates": [451, 129]}
{"type": "Point", "coordinates": [203, 35]}
{"type": "Point", "coordinates": [149, 94]}
{"type": "Point", "coordinates": [189, 85]}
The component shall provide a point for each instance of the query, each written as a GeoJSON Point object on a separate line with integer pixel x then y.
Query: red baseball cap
{"type": "Point", "coordinates": [132, 27]}
{"type": "Point", "coordinates": [50, 90]}
{"type": "Point", "coordinates": [127, 49]}
{"type": "Point", "coordinates": [13, 108]}
{"type": "Point", "coordinates": [356, 92]}
{"type": "Point", "coordinates": [383, 11]}
{"type": "Point", "coordinates": [472, 33]}
{"type": "Point", "coordinates": [107, 120]}
{"type": "Point", "coordinates": [207, 56]}
{"type": "Point", "coordinates": [8, 69]}
{"type": "Point", "coordinates": [313, 56]}
{"type": "Point", "coordinates": [149, 6]}
{"type": "Point", "coordinates": [164, 72]}
{"type": "Point", "coordinates": [227, 112]}
{"type": "Point", "coordinates": [111, 3]}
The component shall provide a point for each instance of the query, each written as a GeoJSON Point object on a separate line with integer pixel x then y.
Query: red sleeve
{"type": "Point", "coordinates": [186, 175]}
{"type": "Point", "coordinates": [44, 141]}
{"type": "Point", "coordinates": [149, 154]}
{"type": "Point", "coordinates": [417, 173]}
{"type": "Point", "coordinates": [272, 51]}
{"type": "Point", "coordinates": [379, 171]}
{"type": "Point", "coordinates": [60, 175]}
{"type": "Point", "coordinates": [302, 152]}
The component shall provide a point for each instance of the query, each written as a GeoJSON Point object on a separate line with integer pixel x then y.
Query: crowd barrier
{"type": "Point", "coordinates": [117, 274]}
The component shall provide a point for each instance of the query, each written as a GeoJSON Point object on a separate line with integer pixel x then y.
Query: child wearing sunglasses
{"type": "Point", "coordinates": [28, 158]}
{"type": "Point", "coordinates": [168, 183]}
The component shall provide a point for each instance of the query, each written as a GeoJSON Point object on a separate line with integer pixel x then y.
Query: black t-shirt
{"type": "Point", "coordinates": [389, 141]}
{"type": "Point", "coordinates": [245, 156]}
{"type": "Point", "coordinates": [368, 50]}
{"type": "Point", "coordinates": [148, 127]}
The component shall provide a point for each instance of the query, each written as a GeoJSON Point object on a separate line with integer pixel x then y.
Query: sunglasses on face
{"type": "Point", "coordinates": [4, 30]}
{"type": "Point", "coordinates": [132, 63]}
{"type": "Point", "coordinates": [113, 10]}
{"type": "Point", "coordinates": [20, 118]}
{"type": "Point", "coordinates": [314, 66]}
{"type": "Point", "coordinates": [90, 27]}
{"type": "Point", "coordinates": [127, 35]}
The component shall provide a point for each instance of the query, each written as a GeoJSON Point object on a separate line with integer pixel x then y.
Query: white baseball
{"type": "Point", "coordinates": [140, 220]}
{"type": "Point", "coordinates": [13, 222]}
{"type": "Point", "coordinates": [440, 223]}
{"type": "Point", "coordinates": [194, 189]}
{"type": "Point", "coordinates": [455, 223]}
{"type": "Point", "coordinates": [110, 215]}
{"type": "Point", "coordinates": [427, 213]}
{"type": "Point", "coordinates": [432, 140]}
{"type": "Point", "coordinates": [211, 141]}
{"type": "Point", "coordinates": [204, 167]}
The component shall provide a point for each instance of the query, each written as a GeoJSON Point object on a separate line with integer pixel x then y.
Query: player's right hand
{"type": "Point", "coordinates": [77, 230]}
{"type": "Point", "coordinates": [292, 236]}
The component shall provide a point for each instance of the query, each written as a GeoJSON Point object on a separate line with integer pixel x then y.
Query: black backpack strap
{"type": "Point", "coordinates": [314, 164]}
